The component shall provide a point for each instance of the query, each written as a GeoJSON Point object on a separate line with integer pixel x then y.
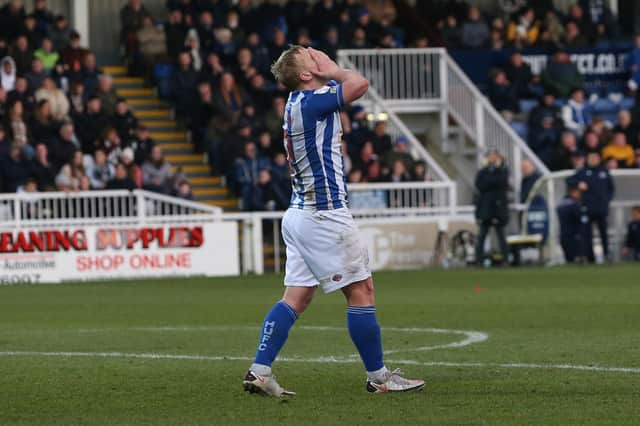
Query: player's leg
{"type": "Point", "coordinates": [366, 336]}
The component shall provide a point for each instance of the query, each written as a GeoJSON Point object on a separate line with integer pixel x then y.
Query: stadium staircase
{"type": "Point", "coordinates": [157, 116]}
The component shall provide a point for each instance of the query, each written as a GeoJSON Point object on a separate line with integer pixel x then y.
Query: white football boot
{"type": "Point", "coordinates": [393, 382]}
{"type": "Point", "coordinates": [264, 385]}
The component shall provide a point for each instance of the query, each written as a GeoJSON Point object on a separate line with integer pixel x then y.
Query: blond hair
{"type": "Point", "coordinates": [286, 70]}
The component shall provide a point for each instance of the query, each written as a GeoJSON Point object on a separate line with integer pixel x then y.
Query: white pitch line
{"type": "Point", "coordinates": [471, 337]}
{"type": "Point", "coordinates": [154, 356]}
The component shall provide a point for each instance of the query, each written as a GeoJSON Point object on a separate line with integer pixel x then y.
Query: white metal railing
{"type": "Point", "coordinates": [428, 80]}
{"type": "Point", "coordinates": [553, 188]}
{"type": "Point", "coordinates": [405, 195]}
{"type": "Point", "coordinates": [97, 207]}
{"type": "Point", "coordinates": [395, 127]}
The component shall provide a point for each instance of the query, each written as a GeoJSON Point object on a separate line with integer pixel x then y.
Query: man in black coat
{"type": "Point", "coordinates": [598, 189]}
{"type": "Point", "coordinates": [492, 209]}
{"type": "Point", "coordinates": [573, 219]}
{"type": "Point", "coordinates": [632, 241]}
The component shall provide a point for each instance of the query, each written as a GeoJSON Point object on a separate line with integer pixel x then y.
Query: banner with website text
{"type": "Point", "coordinates": [50, 255]}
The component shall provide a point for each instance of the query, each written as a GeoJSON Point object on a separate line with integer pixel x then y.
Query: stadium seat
{"type": "Point", "coordinates": [520, 128]}
{"type": "Point", "coordinates": [527, 105]}
{"type": "Point", "coordinates": [604, 107]}
{"type": "Point", "coordinates": [627, 103]}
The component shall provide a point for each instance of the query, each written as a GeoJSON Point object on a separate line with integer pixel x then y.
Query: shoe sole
{"type": "Point", "coordinates": [252, 388]}
{"type": "Point", "coordinates": [414, 389]}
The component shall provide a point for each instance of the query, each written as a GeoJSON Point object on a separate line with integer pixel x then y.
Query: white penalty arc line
{"type": "Point", "coordinates": [154, 356]}
{"type": "Point", "coordinates": [470, 337]}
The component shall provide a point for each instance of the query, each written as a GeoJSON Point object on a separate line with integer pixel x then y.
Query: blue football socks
{"type": "Point", "coordinates": [365, 334]}
{"type": "Point", "coordinates": [275, 330]}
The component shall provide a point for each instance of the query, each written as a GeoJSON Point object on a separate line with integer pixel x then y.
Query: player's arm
{"type": "Point", "coordinates": [354, 85]}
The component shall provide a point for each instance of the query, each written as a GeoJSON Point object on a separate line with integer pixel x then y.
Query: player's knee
{"type": "Point", "coordinates": [299, 302]}
{"type": "Point", "coordinates": [360, 293]}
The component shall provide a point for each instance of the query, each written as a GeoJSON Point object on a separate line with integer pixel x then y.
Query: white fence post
{"type": "Point", "coordinates": [444, 95]}
{"type": "Point", "coordinates": [480, 134]}
{"type": "Point", "coordinates": [257, 244]}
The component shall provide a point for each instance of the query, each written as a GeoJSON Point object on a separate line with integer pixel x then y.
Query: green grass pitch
{"type": "Point", "coordinates": [537, 320]}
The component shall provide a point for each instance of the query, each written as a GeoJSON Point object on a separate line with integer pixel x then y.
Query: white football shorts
{"type": "Point", "coordinates": [323, 248]}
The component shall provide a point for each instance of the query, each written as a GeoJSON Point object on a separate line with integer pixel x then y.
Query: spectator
{"type": "Point", "coordinates": [561, 76]}
{"type": "Point", "coordinates": [42, 126]}
{"type": "Point", "coordinates": [121, 180]}
{"type": "Point", "coordinates": [43, 171]}
{"type": "Point", "coordinates": [192, 45]}
{"type": "Point", "coordinates": [281, 178]}
{"type": "Point", "coordinates": [57, 99]}
{"type": "Point", "coordinates": [36, 76]}
{"type": "Point", "coordinates": [543, 140]}
{"type": "Point", "coordinates": [22, 55]}
{"type": "Point", "coordinates": [573, 38]}
{"type": "Point", "coordinates": [399, 172]}
{"type": "Point", "coordinates": [91, 124]}
{"type": "Point", "coordinates": [572, 218]}
{"type": "Point", "coordinates": [626, 126]}
{"type": "Point", "coordinates": [60, 33]}
{"type": "Point", "coordinates": [576, 113]}
{"type": "Point", "coordinates": [519, 74]}
{"type": "Point", "coordinates": [17, 129]}
{"type": "Point", "coordinates": [633, 64]}
{"type": "Point", "coordinates": [64, 147]}
{"type": "Point", "coordinates": [90, 74]}
{"type": "Point", "coordinates": [175, 32]}
{"type": "Point", "coordinates": [552, 30]}
{"type": "Point", "coordinates": [601, 129]}
{"type": "Point", "coordinates": [419, 171]}
{"type": "Point", "coordinates": [99, 170]}
{"type": "Point", "coordinates": [8, 73]}
{"type": "Point", "coordinates": [451, 33]}
{"type": "Point", "coordinates": [503, 95]}
{"type": "Point", "coordinates": [529, 177]}
{"type": "Point", "coordinates": [152, 45]}
{"type": "Point", "coordinates": [111, 144]}
{"type": "Point", "coordinates": [400, 152]}
{"type": "Point", "coordinates": [275, 117]}
{"type": "Point", "coordinates": [525, 31]}
{"type": "Point", "coordinates": [47, 55]}
{"type": "Point", "coordinates": [475, 31]}
{"type": "Point", "coordinates": [561, 159]}
{"type": "Point", "coordinates": [70, 175]}
{"type": "Point", "coordinates": [492, 210]}
{"type": "Point", "coordinates": [44, 17]}
{"type": "Point", "coordinates": [184, 85]}
{"type": "Point", "coordinates": [380, 139]}
{"type": "Point", "coordinates": [141, 144]}
{"type": "Point", "coordinates": [14, 170]}
{"type": "Point", "coordinates": [132, 16]}
{"type": "Point", "coordinates": [620, 150]}
{"type": "Point", "coordinates": [76, 99]}
{"type": "Point", "coordinates": [591, 141]}
{"type": "Point", "coordinates": [230, 97]}
{"type": "Point", "coordinates": [598, 190]}
{"type": "Point", "coordinates": [134, 172]}
{"type": "Point", "coordinates": [632, 240]}
{"type": "Point", "coordinates": [330, 42]}
{"type": "Point", "coordinates": [367, 156]}
{"type": "Point", "coordinates": [156, 172]}
{"type": "Point", "coordinates": [75, 52]}
{"type": "Point", "coordinates": [123, 120]}
{"type": "Point", "coordinates": [107, 94]}
{"type": "Point", "coordinates": [183, 190]}
{"type": "Point", "coordinates": [263, 194]}
{"type": "Point", "coordinates": [246, 170]}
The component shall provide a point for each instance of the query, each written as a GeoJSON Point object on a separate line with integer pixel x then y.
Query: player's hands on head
{"type": "Point", "coordinates": [326, 68]}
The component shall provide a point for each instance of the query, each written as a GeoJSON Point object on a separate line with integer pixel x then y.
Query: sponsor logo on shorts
{"type": "Point", "coordinates": [336, 278]}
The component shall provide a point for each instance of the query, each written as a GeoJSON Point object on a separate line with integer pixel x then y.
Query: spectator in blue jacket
{"type": "Point", "coordinates": [598, 188]}
{"type": "Point", "coordinates": [572, 217]}
{"type": "Point", "coordinates": [632, 242]}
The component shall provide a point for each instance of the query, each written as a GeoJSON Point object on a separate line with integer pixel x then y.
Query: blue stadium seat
{"type": "Point", "coordinates": [520, 128]}
{"type": "Point", "coordinates": [162, 74]}
{"type": "Point", "coordinates": [527, 105]}
{"type": "Point", "coordinates": [627, 103]}
{"type": "Point", "coordinates": [604, 107]}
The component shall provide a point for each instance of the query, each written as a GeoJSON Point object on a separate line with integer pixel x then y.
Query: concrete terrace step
{"type": "Point", "coordinates": [206, 180]}
{"type": "Point", "coordinates": [124, 80]}
{"type": "Point", "coordinates": [115, 70]}
{"type": "Point", "coordinates": [202, 170]}
{"type": "Point", "coordinates": [185, 158]}
{"type": "Point", "coordinates": [154, 113]}
{"type": "Point", "coordinates": [136, 93]}
{"type": "Point", "coordinates": [207, 192]}
{"type": "Point", "coordinates": [168, 136]}
{"type": "Point", "coordinates": [225, 204]}
{"type": "Point", "coordinates": [176, 146]}
{"type": "Point", "coordinates": [159, 124]}
{"type": "Point", "coordinates": [150, 101]}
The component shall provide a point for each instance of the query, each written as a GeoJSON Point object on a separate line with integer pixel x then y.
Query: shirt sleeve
{"type": "Point", "coordinates": [326, 100]}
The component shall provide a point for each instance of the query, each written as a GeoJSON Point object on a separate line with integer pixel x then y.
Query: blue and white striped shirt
{"type": "Point", "coordinates": [313, 134]}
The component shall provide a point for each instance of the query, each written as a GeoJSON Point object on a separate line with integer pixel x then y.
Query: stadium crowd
{"type": "Point", "coordinates": [63, 127]}
{"type": "Point", "coordinates": [220, 56]}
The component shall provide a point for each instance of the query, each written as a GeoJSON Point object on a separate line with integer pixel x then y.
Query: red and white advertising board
{"type": "Point", "coordinates": [53, 255]}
